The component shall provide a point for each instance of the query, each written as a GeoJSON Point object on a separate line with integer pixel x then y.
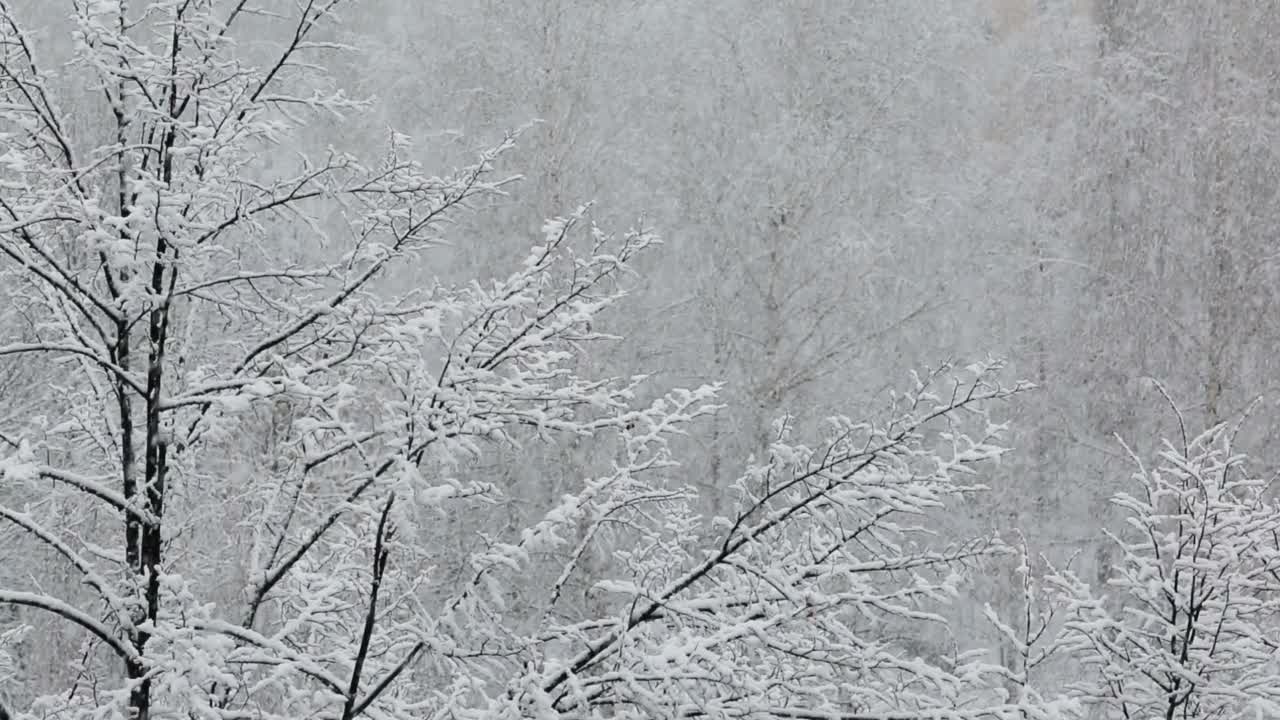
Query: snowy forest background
{"type": "Point", "coordinates": [302, 418]}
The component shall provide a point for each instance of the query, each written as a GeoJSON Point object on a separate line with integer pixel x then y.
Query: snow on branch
{"type": "Point", "coordinates": [1188, 626]}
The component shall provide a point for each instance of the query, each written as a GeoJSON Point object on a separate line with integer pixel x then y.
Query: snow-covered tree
{"type": "Point", "coordinates": [1032, 646]}
{"type": "Point", "coordinates": [248, 440]}
{"type": "Point", "coordinates": [1188, 625]}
